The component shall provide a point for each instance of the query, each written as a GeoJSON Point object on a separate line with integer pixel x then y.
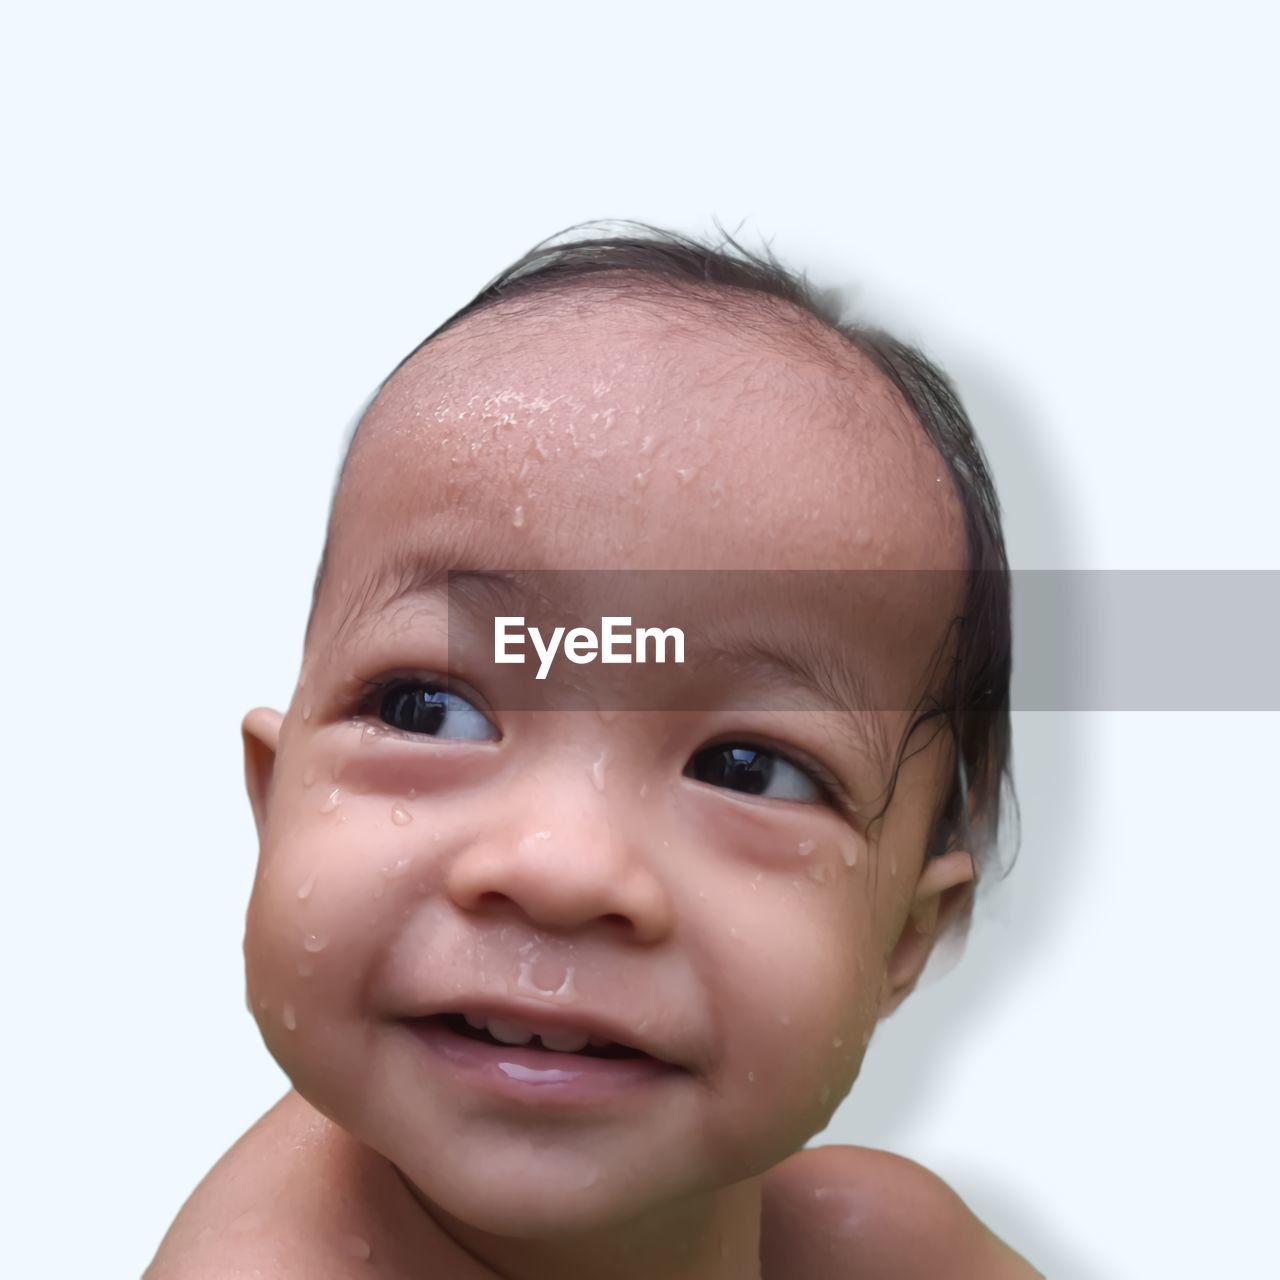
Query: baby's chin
{"type": "Point", "coordinates": [508, 1171]}
{"type": "Point", "coordinates": [516, 1189]}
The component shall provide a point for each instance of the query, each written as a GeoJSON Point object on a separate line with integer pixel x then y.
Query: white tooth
{"type": "Point", "coordinates": [476, 1021]}
{"type": "Point", "coordinates": [509, 1032]}
{"type": "Point", "coordinates": [564, 1041]}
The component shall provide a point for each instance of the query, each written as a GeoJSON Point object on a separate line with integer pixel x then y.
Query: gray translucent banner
{"type": "Point", "coordinates": [866, 640]}
{"type": "Point", "coordinates": [1146, 640]}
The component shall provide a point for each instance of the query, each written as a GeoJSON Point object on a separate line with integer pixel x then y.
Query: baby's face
{"type": "Point", "coordinates": [603, 864]}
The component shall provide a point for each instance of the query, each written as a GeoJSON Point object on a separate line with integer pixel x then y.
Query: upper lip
{"type": "Point", "coordinates": [559, 1017]}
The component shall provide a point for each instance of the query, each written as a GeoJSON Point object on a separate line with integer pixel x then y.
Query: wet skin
{"type": "Point", "coordinates": [569, 860]}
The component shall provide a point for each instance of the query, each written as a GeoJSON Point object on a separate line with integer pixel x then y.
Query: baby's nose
{"type": "Point", "coordinates": [563, 858]}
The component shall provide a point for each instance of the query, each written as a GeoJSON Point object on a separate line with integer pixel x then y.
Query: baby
{"type": "Point", "coordinates": [634, 769]}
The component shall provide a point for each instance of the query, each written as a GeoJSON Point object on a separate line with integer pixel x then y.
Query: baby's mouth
{"type": "Point", "coordinates": [457, 1024]}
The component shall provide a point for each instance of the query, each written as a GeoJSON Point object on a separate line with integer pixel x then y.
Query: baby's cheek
{"type": "Point", "coordinates": [812, 1053]}
{"type": "Point", "coordinates": [308, 927]}
{"type": "Point", "coordinates": [303, 967]}
{"type": "Point", "coordinates": [792, 1016]}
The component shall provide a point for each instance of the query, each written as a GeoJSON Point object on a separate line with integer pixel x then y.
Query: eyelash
{"type": "Point", "coordinates": [835, 793]}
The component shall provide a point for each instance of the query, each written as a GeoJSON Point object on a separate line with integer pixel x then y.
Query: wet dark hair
{"type": "Point", "coordinates": [974, 699]}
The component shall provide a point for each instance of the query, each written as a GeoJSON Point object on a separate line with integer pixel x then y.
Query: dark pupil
{"type": "Point", "coordinates": [416, 710]}
{"type": "Point", "coordinates": [744, 768]}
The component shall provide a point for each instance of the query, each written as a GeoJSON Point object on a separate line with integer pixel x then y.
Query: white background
{"type": "Point", "coordinates": [224, 224]}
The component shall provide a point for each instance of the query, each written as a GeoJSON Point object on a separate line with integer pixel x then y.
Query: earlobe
{"type": "Point", "coordinates": [260, 731]}
{"type": "Point", "coordinates": [944, 891]}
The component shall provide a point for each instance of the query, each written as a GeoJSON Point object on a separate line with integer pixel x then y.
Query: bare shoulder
{"type": "Point", "coordinates": [840, 1210]}
{"type": "Point", "coordinates": [293, 1197]}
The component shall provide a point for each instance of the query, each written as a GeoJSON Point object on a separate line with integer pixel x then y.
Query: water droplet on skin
{"type": "Point", "coordinates": [332, 800]}
{"type": "Point", "coordinates": [305, 969]}
{"type": "Point", "coordinates": [733, 933]}
{"type": "Point", "coordinates": [304, 889]}
{"type": "Point", "coordinates": [371, 732]}
{"type": "Point", "coordinates": [836, 1043]}
{"type": "Point", "coordinates": [289, 1017]}
{"type": "Point", "coordinates": [642, 479]}
{"type": "Point", "coordinates": [356, 1247]}
{"type": "Point", "coordinates": [849, 853]}
{"type": "Point", "coordinates": [262, 1004]}
{"type": "Point", "coordinates": [717, 492]}
{"type": "Point", "coordinates": [596, 773]}
{"type": "Point", "coordinates": [686, 474]}
{"type": "Point", "coordinates": [806, 847]}
{"type": "Point", "coordinates": [751, 1077]}
{"type": "Point", "coordinates": [409, 795]}
{"type": "Point", "coordinates": [819, 873]}
{"type": "Point", "coordinates": [607, 714]}
{"type": "Point", "coordinates": [517, 517]}
{"type": "Point", "coordinates": [644, 790]}
{"type": "Point", "coordinates": [306, 711]}
{"type": "Point", "coordinates": [397, 868]}
{"type": "Point", "coordinates": [308, 777]}
{"type": "Point", "coordinates": [314, 941]}
{"type": "Point", "coordinates": [893, 864]}
{"type": "Point", "coordinates": [566, 991]}
{"type": "Point", "coordinates": [401, 817]}
{"type": "Point", "coordinates": [646, 446]}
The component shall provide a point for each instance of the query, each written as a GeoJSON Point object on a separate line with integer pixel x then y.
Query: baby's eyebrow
{"type": "Point", "coordinates": [803, 660]}
{"type": "Point", "coordinates": [425, 574]}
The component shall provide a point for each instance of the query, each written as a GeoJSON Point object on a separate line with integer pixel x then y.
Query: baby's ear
{"type": "Point", "coordinates": [943, 894]}
{"type": "Point", "coordinates": [260, 730]}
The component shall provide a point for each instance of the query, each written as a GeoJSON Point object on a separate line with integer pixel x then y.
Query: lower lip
{"type": "Point", "coordinates": [530, 1074]}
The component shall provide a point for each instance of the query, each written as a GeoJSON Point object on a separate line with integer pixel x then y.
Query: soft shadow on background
{"type": "Point", "coordinates": [908, 1058]}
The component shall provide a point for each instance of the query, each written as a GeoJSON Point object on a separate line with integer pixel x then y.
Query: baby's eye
{"type": "Point", "coordinates": [744, 767]}
{"type": "Point", "coordinates": [429, 707]}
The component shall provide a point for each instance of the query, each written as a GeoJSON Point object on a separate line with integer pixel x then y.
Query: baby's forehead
{"type": "Point", "coordinates": [604, 441]}
{"type": "Point", "coordinates": [632, 435]}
